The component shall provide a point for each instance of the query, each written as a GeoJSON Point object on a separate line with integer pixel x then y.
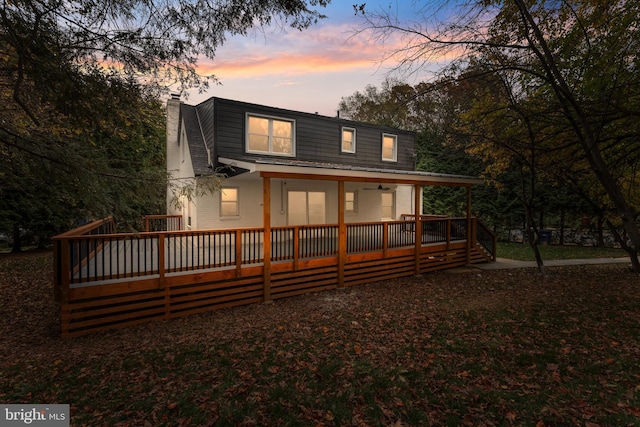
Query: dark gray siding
{"type": "Point", "coordinates": [318, 138]}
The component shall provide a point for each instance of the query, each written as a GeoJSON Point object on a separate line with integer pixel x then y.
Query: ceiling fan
{"type": "Point", "coordinates": [380, 188]}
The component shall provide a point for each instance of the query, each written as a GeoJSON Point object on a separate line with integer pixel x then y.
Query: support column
{"type": "Point", "coordinates": [342, 235]}
{"type": "Point", "coordinates": [417, 227]}
{"type": "Point", "coordinates": [266, 245]}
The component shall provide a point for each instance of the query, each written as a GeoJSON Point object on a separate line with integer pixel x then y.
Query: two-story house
{"type": "Point", "coordinates": [307, 203]}
{"type": "Point", "coordinates": [312, 163]}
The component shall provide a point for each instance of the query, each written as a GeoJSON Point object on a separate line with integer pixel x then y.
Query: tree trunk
{"type": "Point", "coordinates": [561, 226]}
{"type": "Point", "coordinates": [584, 132]}
{"type": "Point", "coordinates": [16, 247]}
{"type": "Point", "coordinates": [600, 231]}
{"type": "Point", "coordinates": [633, 255]}
{"type": "Point", "coordinates": [533, 237]}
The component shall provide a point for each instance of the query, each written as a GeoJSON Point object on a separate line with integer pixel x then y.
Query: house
{"type": "Point", "coordinates": [306, 156]}
{"type": "Point", "coordinates": [307, 204]}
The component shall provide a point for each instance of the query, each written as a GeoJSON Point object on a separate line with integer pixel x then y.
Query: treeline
{"type": "Point", "coordinates": [81, 118]}
{"type": "Point", "coordinates": [541, 98]}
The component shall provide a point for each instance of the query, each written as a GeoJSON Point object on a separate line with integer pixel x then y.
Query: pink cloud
{"type": "Point", "coordinates": [324, 49]}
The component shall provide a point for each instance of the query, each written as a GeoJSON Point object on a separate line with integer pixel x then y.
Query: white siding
{"type": "Point", "coordinates": [206, 211]}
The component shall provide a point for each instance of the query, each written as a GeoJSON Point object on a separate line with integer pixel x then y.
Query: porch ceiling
{"type": "Point", "coordinates": [295, 169]}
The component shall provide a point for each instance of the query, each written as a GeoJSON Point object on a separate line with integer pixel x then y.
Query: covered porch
{"type": "Point", "coordinates": [105, 279]}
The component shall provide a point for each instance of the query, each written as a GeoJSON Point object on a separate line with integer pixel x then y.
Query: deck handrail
{"type": "Point", "coordinates": [111, 280]}
{"type": "Point", "coordinates": [64, 259]}
{"type": "Point", "coordinates": [486, 238]}
{"type": "Point", "coordinates": [101, 226]}
{"type": "Point", "coordinates": [82, 258]}
{"type": "Point", "coordinates": [162, 222]}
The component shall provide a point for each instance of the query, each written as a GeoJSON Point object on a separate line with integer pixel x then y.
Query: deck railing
{"type": "Point", "coordinates": [486, 239]}
{"type": "Point", "coordinates": [162, 222]}
{"type": "Point", "coordinates": [95, 254]}
{"type": "Point", "coordinates": [106, 280]}
{"type": "Point", "coordinates": [71, 257]}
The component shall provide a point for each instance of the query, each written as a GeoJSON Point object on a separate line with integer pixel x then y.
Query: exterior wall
{"type": "Point", "coordinates": [206, 212]}
{"type": "Point", "coordinates": [405, 200]}
{"type": "Point", "coordinates": [318, 138]}
{"type": "Point", "coordinates": [179, 165]}
{"type": "Point", "coordinates": [250, 204]}
{"type": "Point", "coordinates": [173, 146]}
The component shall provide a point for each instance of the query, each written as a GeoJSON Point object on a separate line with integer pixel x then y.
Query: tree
{"type": "Point", "coordinates": [427, 109]}
{"type": "Point", "coordinates": [109, 161]}
{"type": "Point", "coordinates": [81, 125]}
{"type": "Point", "coordinates": [582, 55]}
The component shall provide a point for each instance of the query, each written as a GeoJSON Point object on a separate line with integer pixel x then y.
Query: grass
{"type": "Point", "coordinates": [480, 348]}
{"type": "Point", "coordinates": [523, 252]}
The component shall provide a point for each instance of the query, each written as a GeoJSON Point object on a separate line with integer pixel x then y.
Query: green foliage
{"type": "Point", "coordinates": [158, 42]}
{"type": "Point", "coordinates": [102, 154]}
{"type": "Point", "coordinates": [81, 123]}
{"type": "Point", "coordinates": [523, 252]}
{"type": "Point", "coordinates": [552, 92]}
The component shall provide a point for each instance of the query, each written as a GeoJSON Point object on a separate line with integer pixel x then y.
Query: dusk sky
{"type": "Point", "coordinates": [308, 70]}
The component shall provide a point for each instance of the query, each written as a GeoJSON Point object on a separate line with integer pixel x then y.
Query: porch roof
{"type": "Point", "coordinates": [335, 171]}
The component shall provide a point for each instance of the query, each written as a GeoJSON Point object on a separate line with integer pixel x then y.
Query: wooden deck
{"type": "Point", "coordinates": [112, 280]}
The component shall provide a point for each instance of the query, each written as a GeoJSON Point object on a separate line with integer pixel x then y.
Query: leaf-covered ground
{"type": "Point", "coordinates": [469, 348]}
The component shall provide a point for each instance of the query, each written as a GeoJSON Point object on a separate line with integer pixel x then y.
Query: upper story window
{"type": "Point", "coordinates": [348, 140]}
{"type": "Point", "coordinates": [389, 148]}
{"type": "Point", "coordinates": [270, 135]}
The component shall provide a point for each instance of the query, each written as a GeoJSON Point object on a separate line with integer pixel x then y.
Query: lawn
{"type": "Point", "coordinates": [523, 252]}
{"type": "Point", "coordinates": [467, 348]}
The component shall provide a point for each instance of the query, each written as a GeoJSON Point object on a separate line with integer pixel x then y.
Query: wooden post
{"type": "Point", "coordinates": [342, 235]}
{"type": "Point", "coordinates": [385, 239]}
{"type": "Point", "coordinates": [238, 256]}
{"type": "Point", "coordinates": [296, 247]}
{"type": "Point", "coordinates": [161, 273]}
{"type": "Point", "coordinates": [469, 236]}
{"type": "Point", "coordinates": [418, 228]}
{"type": "Point", "coordinates": [65, 272]}
{"type": "Point", "coordinates": [266, 225]}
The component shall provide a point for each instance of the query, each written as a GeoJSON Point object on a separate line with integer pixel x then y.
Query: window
{"type": "Point", "coordinates": [350, 202]}
{"type": "Point", "coordinates": [229, 205]}
{"type": "Point", "coordinates": [306, 207]}
{"type": "Point", "coordinates": [348, 140]}
{"type": "Point", "coordinates": [389, 147]}
{"type": "Point", "coordinates": [388, 208]}
{"type": "Point", "coordinates": [270, 135]}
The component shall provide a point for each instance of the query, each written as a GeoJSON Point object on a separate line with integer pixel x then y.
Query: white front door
{"type": "Point", "coordinates": [306, 207]}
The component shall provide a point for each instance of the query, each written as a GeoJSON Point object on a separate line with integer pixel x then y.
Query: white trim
{"type": "Point", "coordinates": [248, 115]}
{"type": "Point", "coordinates": [353, 130]}
{"type": "Point", "coordinates": [407, 176]}
{"type": "Point", "coordinates": [394, 159]}
{"type": "Point", "coordinates": [355, 202]}
{"type": "Point", "coordinates": [237, 201]}
{"type": "Point", "coordinates": [393, 206]}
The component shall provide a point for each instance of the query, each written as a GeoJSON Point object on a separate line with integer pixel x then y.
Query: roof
{"type": "Point", "coordinates": [197, 147]}
{"type": "Point", "coordinates": [344, 171]}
